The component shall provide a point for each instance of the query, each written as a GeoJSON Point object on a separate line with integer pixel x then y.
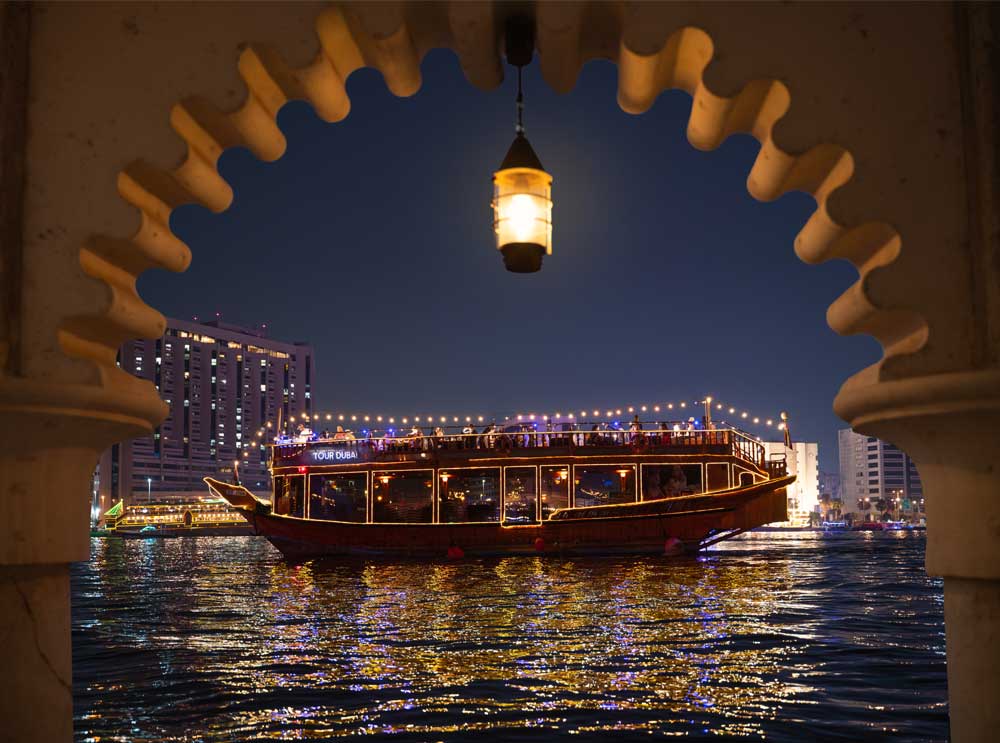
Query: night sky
{"type": "Point", "coordinates": [372, 239]}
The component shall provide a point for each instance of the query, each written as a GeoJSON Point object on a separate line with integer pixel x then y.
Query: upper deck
{"type": "Point", "coordinates": [342, 450]}
{"type": "Point", "coordinates": [515, 475]}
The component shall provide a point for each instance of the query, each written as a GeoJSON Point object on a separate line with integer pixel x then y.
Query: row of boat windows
{"type": "Point", "coordinates": [516, 495]}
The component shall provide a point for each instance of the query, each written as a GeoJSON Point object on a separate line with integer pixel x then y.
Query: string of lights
{"type": "Point", "coordinates": [683, 408]}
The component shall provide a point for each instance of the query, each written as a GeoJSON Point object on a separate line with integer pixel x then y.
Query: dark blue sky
{"type": "Point", "coordinates": [372, 239]}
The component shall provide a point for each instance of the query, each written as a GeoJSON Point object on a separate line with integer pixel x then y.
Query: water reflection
{"type": "Point", "coordinates": [768, 637]}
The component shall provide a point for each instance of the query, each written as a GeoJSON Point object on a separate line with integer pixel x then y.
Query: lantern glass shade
{"type": "Point", "coordinates": [522, 215]}
{"type": "Point", "coordinates": [522, 207]}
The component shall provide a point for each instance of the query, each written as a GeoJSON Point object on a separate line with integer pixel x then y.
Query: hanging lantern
{"type": "Point", "coordinates": [522, 190]}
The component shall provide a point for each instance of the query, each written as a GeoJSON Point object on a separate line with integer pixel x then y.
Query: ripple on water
{"type": "Point", "coordinates": [772, 636]}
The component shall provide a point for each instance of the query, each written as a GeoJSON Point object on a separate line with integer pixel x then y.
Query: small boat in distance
{"type": "Point", "coordinates": [868, 526]}
{"type": "Point", "coordinates": [650, 489]}
{"type": "Point", "coordinates": [202, 518]}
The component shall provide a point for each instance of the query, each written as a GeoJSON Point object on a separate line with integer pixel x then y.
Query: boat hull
{"type": "Point", "coordinates": [688, 522]}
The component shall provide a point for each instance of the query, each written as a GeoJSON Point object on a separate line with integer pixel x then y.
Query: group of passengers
{"type": "Point", "coordinates": [509, 436]}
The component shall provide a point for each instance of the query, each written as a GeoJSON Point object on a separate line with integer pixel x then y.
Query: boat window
{"type": "Point", "coordinates": [289, 495]}
{"type": "Point", "coordinates": [670, 480]}
{"type": "Point", "coordinates": [341, 497]}
{"type": "Point", "coordinates": [520, 495]}
{"type": "Point", "coordinates": [403, 497]}
{"type": "Point", "coordinates": [717, 474]}
{"type": "Point", "coordinates": [470, 495]}
{"type": "Point", "coordinates": [604, 484]}
{"type": "Point", "coordinates": [554, 489]}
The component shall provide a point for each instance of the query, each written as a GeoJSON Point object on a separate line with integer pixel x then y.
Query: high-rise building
{"type": "Point", "coordinates": [802, 460]}
{"type": "Point", "coordinates": [223, 383]}
{"type": "Point", "coordinates": [875, 476]}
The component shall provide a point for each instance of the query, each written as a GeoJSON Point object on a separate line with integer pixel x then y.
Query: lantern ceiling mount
{"type": "Point", "coordinates": [522, 190]}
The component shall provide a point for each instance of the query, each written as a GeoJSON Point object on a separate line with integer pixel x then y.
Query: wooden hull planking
{"type": "Point", "coordinates": [643, 527]}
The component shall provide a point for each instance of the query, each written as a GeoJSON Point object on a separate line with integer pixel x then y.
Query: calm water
{"type": "Point", "coordinates": [779, 636]}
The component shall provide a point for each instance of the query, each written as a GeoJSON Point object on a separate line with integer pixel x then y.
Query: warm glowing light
{"type": "Point", "coordinates": [744, 415]}
{"type": "Point", "coordinates": [480, 419]}
{"type": "Point", "coordinates": [670, 406]}
{"type": "Point", "coordinates": [340, 417]}
{"type": "Point", "coordinates": [709, 399]}
{"type": "Point", "coordinates": [656, 408]}
{"type": "Point", "coordinates": [684, 404]}
{"type": "Point", "coordinates": [328, 417]}
{"type": "Point", "coordinates": [444, 477]}
{"type": "Point", "coordinates": [732, 410]}
{"type": "Point", "coordinates": [522, 207]}
{"type": "Point", "coordinates": [379, 419]}
{"type": "Point", "coordinates": [756, 420]}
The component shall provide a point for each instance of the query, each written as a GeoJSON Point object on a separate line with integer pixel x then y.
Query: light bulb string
{"type": "Point", "coordinates": [519, 128]}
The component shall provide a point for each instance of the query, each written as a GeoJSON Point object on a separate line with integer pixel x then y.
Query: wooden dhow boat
{"type": "Point", "coordinates": [514, 491]}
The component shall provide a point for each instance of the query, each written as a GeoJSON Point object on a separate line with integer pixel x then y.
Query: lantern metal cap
{"type": "Point", "coordinates": [521, 155]}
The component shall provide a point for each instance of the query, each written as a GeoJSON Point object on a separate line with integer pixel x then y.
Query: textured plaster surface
{"type": "Point", "coordinates": [36, 695]}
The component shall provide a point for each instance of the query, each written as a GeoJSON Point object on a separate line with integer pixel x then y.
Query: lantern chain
{"type": "Point", "coordinates": [519, 129]}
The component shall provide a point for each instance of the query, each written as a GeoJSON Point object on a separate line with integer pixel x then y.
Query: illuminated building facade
{"type": "Point", "coordinates": [876, 477]}
{"type": "Point", "coordinates": [802, 460]}
{"type": "Point", "coordinates": [223, 383]}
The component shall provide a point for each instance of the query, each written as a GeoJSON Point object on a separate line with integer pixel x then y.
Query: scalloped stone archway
{"type": "Point", "coordinates": [847, 103]}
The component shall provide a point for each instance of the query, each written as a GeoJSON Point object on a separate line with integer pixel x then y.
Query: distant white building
{"type": "Point", "coordinates": [876, 476]}
{"type": "Point", "coordinates": [802, 460]}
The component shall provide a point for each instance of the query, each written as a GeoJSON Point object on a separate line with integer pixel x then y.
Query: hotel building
{"type": "Point", "coordinates": [223, 383]}
{"type": "Point", "coordinates": [802, 460]}
{"type": "Point", "coordinates": [874, 473]}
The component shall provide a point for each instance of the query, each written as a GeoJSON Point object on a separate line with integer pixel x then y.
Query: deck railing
{"type": "Point", "coordinates": [730, 440]}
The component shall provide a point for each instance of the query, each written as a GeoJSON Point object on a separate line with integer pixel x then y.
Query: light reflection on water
{"type": "Point", "coordinates": [784, 636]}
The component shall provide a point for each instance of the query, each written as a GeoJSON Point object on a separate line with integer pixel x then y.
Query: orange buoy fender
{"type": "Point", "coordinates": [539, 544]}
{"type": "Point", "coordinates": [455, 552]}
{"type": "Point", "coordinates": [673, 546]}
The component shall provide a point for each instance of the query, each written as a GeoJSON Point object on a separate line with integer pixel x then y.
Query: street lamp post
{"type": "Point", "coordinates": [149, 490]}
